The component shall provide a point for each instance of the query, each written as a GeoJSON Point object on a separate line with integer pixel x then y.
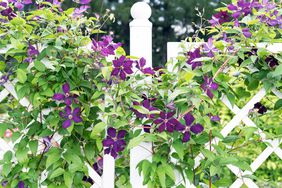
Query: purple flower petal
{"type": "Point", "coordinates": [21, 184]}
{"type": "Point", "coordinates": [197, 128]}
{"type": "Point", "coordinates": [186, 136]}
{"type": "Point", "coordinates": [169, 127]}
{"type": "Point", "coordinates": [83, 2]}
{"type": "Point", "coordinates": [189, 118]}
{"type": "Point", "coordinates": [122, 75]}
{"type": "Point", "coordinates": [246, 32]}
{"type": "Point", "coordinates": [163, 115]}
{"type": "Point", "coordinates": [77, 119]}
{"type": "Point", "coordinates": [66, 88]}
{"type": "Point", "coordinates": [128, 70]}
{"type": "Point", "coordinates": [158, 121]}
{"type": "Point", "coordinates": [161, 127]}
{"type": "Point", "coordinates": [209, 93]}
{"type": "Point", "coordinates": [112, 132]}
{"type": "Point", "coordinates": [169, 115]}
{"type": "Point", "coordinates": [66, 123]}
{"type": "Point", "coordinates": [68, 101]}
{"type": "Point", "coordinates": [58, 96]}
{"type": "Point", "coordinates": [108, 142]}
{"type": "Point", "coordinates": [68, 110]}
{"type": "Point", "coordinates": [115, 72]}
{"type": "Point", "coordinates": [121, 134]}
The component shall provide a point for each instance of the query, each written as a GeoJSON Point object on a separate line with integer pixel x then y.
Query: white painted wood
{"type": "Point", "coordinates": [140, 46]}
{"type": "Point", "coordinates": [108, 171]}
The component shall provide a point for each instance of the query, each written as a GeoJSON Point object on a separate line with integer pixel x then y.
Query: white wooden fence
{"type": "Point", "coordinates": [141, 46]}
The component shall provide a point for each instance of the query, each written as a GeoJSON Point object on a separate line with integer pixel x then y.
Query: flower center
{"type": "Point", "coordinates": [165, 120]}
{"type": "Point", "coordinates": [67, 94]}
{"type": "Point", "coordinates": [70, 117]}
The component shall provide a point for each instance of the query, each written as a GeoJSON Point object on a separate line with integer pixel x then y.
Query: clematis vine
{"type": "Point", "coordinates": [195, 128]}
{"type": "Point", "coordinates": [114, 142]}
{"type": "Point", "coordinates": [70, 116]}
{"type": "Point", "coordinates": [167, 122]}
{"type": "Point", "coordinates": [146, 104]}
{"type": "Point", "coordinates": [192, 56]}
{"type": "Point", "coordinates": [208, 86]}
{"type": "Point", "coordinates": [122, 67]}
{"type": "Point", "coordinates": [67, 97]}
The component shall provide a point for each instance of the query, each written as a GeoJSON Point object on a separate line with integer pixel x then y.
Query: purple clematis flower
{"type": "Point", "coordinates": [78, 12]}
{"type": "Point", "coordinates": [4, 183]}
{"type": "Point", "coordinates": [208, 86]}
{"type": "Point", "coordinates": [220, 18]}
{"type": "Point", "coordinates": [243, 8]}
{"type": "Point", "coordinates": [83, 2]}
{"type": "Point", "coordinates": [196, 128]}
{"type": "Point", "coordinates": [70, 116]}
{"type": "Point", "coordinates": [246, 32]}
{"type": "Point", "coordinates": [141, 64]}
{"type": "Point", "coordinates": [32, 51]}
{"type": "Point", "coordinates": [47, 143]}
{"type": "Point", "coordinates": [122, 67]}
{"type": "Point", "coordinates": [114, 142]}
{"type": "Point", "coordinates": [209, 48]}
{"type": "Point", "coordinates": [8, 12]}
{"type": "Point", "coordinates": [168, 122]}
{"type": "Point", "coordinates": [88, 179]}
{"type": "Point", "coordinates": [261, 108]}
{"type": "Point", "coordinates": [98, 166]}
{"type": "Point", "coordinates": [214, 118]}
{"type": "Point", "coordinates": [105, 47]}
{"type": "Point", "coordinates": [4, 78]}
{"type": "Point", "coordinates": [66, 96]}
{"type": "Point", "coordinates": [272, 61]}
{"type": "Point", "coordinates": [192, 56]}
{"type": "Point", "coordinates": [21, 184]}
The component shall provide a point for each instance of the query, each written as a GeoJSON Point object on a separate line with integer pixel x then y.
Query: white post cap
{"type": "Point", "coordinates": [141, 10]}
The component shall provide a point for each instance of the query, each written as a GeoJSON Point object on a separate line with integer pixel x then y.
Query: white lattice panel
{"type": "Point", "coordinates": [240, 115]}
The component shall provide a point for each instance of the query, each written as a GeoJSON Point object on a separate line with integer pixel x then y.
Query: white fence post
{"type": "Point", "coordinates": [140, 46]}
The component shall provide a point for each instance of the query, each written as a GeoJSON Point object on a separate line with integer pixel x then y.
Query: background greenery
{"type": "Point", "coordinates": [173, 20]}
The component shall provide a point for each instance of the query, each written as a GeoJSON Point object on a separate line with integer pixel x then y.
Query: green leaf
{"type": "Point", "coordinates": [33, 145]}
{"type": "Point", "coordinates": [8, 156]}
{"type": "Point", "coordinates": [278, 104]}
{"type": "Point", "coordinates": [6, 169]}
{"type": "Point", "coordinates": [98, 128]}
{"type": "Point", "coordinates": [141, 109]}
{"type": "Point", "coordinates": [68, 178]}
{"type": "Point", "coordinates": [39, 66]}
{"type": "Point", "coordinates": [135, 141]}
{"type": "Point", "coordinates": [21, 75]}
{"type": "Point", "coordinates": [179, 148]}
{"type": "Point", "coordinates": [176, 93]}
{"type": "Point", "coordinates": [169, 171]}
{"type": "Point", "coordinates": [161, 175]}
{"type": "Point", "coordinates": [53, 156]}
{"type": "Point", "coordinates": [56, 173]}
{"type": "Point", "coordinates": [21, 155]}
{"type": "Point", "coordinates": [278, 71]}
